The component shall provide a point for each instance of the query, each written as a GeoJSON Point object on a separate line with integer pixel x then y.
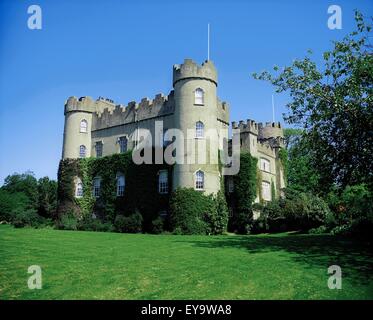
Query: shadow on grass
{"type": "Point", "coordinates": [355, 258]}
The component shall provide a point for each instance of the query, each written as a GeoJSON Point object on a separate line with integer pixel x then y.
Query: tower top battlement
{"type": "Point", "coordinates": [190, 69]}
{"type": "Point", "coordinates": [248, 126]}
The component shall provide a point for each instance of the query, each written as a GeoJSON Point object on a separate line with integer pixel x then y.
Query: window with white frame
{"type": "Point", "coordinates": [96, 187]}
{"type": "Point", "coordinates": [200, 128]}
{"type": "Point", "coordinates": [200, 180]}
{"type": "Point", "coordinates": [266, 191]}
{"type": "Point", "coordinates": [199, 96]}
{"type": "Point", "coordinates": [83, 126]}
{"type": "Point", "coordinates": [82, 151]}
{"type": "Point", "coordinates": [123, 141]}
{"type": "Point", "coordinates": [78, 189]}
{"type": "Point", "coordinates": [121, 183]}
{"type": "Point", "coordinates": [99, 147]}
{"type": "Point", "coordinates": [163, 182]}
{"type": "Point", "coordinates": [265, 165]}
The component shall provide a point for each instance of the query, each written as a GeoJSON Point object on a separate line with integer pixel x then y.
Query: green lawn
{"type": "Point", "coordinates": [88, 265]}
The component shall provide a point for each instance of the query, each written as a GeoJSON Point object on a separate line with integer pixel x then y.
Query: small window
{"type": "Point", "coordinates": [200, 127]}
{"type": "Point", "coordinates": [79, 189]}
{"type": "Point", "coordinates": [266, 191]}
{"type": "Point", "coordinates": [200, 180]}
{"type": "Point", "coordinates": [163, 182]}
{"type": "Point", "coordinates": [121, 183]}
{"type": "Point", "coordinates": [199, 96]}
{"type": "Point", "coordinates": [99, 147]}
{"type": "Point", "coordinates": [82, 151]}
{"type": "Point", "coordinates": [96, 187]}
{"type": "Point", "coordinates": [123, 141]}
{"type": "Point", "coordinates": [265, 165]}
{"type": "Point", "coordinates": [83, 126]}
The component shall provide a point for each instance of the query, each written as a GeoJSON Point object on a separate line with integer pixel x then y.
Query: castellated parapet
{"type": "Point", "coordinates": [249, 126]}
{"type": "Point", "coordinates": [270, 130]}
{"type": "Point", "coordinates": [190, 69]}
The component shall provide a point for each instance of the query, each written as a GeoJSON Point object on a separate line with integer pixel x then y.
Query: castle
{"type": "Point", "coordinates": [97, 128]}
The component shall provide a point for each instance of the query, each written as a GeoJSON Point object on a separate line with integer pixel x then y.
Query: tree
{"type": "Point", "coordinates": [25, 183]}
{"type": "Point", "coordinates": [334, 105]}
{"type": "Point", "coordinates": [300, 173]}
{"type": "Point", "coordinates": [47, 191]}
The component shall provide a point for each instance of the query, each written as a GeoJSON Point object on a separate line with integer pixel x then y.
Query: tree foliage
{"type": "Point", "coordinates": [334, 105]}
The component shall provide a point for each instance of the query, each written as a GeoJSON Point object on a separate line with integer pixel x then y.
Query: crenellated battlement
{"type": "Point", "coordinates": [147, 108]}
{"type": "Point", "coordinates": [190, 69]}
{"type": "Point", "coordinates": [270, 130]}
{"type": "Point", "coordinates": [246, 126]}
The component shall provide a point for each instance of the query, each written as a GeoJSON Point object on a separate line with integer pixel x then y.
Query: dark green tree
{"type": "Point", "coordinates": [334, 105]}
{"type": "Point", "coordinates": [47, 191]}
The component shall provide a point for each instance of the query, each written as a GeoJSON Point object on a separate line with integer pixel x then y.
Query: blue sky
{"type": "Point", "coordinates": [124, 50]}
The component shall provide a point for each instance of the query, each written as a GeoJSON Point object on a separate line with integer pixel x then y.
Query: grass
{"type": "Point", "coordinates": [88, 265]}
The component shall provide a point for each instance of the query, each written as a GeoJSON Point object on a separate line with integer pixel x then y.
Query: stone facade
{"type": "Point", "coordinates": [96, 127]}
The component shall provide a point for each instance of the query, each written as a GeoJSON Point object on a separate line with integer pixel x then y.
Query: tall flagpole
{"type": "Point", "coordinates": [208, 41]}
{"type": "Point", "coordinates": [273, 109]}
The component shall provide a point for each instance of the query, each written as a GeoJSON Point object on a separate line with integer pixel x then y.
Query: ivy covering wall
{"type": "Point", "coordinates": [140, 194]}
{"type": "Point", "coordinates": [245, 190]}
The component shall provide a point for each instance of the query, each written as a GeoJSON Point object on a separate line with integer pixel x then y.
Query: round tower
{"type": "Point", "coordinates": [195, 90]}
{"type": "Point", "coordinates": [77, 130]}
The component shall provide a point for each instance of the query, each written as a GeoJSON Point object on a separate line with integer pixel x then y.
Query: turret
{"type": "Point", "coordinates": [196, 104]}
{"type": "Point", "coordinates": [77, 130]}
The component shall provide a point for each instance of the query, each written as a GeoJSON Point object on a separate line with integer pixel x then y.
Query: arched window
{"type": "Point", "coordinates": [199, 96]}
{"type": "Point", "coordinates": [200, 180]}
{"type": "Point", "coordinates": [96, 187]}
{"type": "Point", "coordinates": [121, 183]}
{"type": "Point", "coordinates": [123, 141]}
{"type": "Point", "coordinates": [83, 126]}
{"type": "Point", "coordinates": [200, 129]}
{"type": "Point", "coordinates": [82, 151]}
{"type": "Point", "coordinates": [163, 182]}
{"type": "Point", "coordinates": [78, 188]}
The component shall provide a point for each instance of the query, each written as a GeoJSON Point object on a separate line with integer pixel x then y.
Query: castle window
{"type": "Point", "coordinates": [78, 188]}
{"type": "Point", "coordinates": [200, 129]}
{"type": "Point", "coordinates": [200, 180]}
{"type": "Point", "coordinates": [199, 96]}
{"type": "Point", "coordinates": [163, 182]}
{"type": "Point", "coordinates": [123, 141]}
{"type": "Point", "coordinates": [82, 151]}
{"type": "Point", "coordinates": [265, 165]}
{"type": "Point", "coordinates": [99, 147]}
{"type": "Point", "coordinates": [266, 191]}
{"type": "Point", "coordinates": [121, 182]}
{"type": "Point", "coordinates": [96, 187]}
{"type": "Point", "coordinates": [83, 126]}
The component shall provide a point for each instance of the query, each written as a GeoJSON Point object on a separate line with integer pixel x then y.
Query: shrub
{"type": "Point", "coordinates": [27, 218]}
{"type": "Point", "coordinates": [93, 224]}
{"type": "Point", "coordinates": [130, 224]}
{"type": "Point", "coordinates": [190, 210]}
{"type": "Point", "coordinates": [217, 217]}
{"type": "Point", "coordinates": [352, 211]}
{"type": "Point", "coordinates": [67, 222]}
{"type": "Point", "coordinates": [157, 225]}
